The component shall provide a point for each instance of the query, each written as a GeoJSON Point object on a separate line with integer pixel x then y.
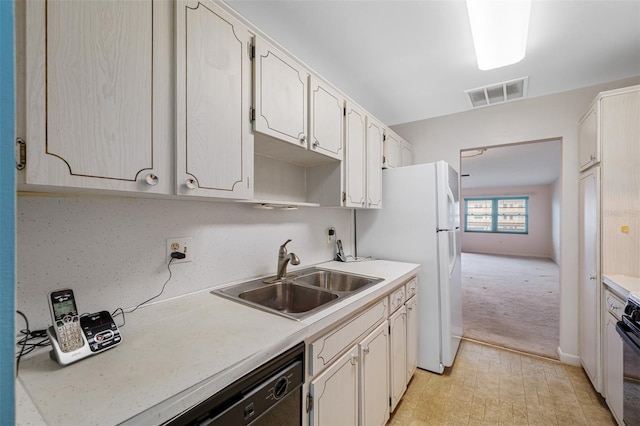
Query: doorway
{"type": "Point", "coordinates": [510, 222]}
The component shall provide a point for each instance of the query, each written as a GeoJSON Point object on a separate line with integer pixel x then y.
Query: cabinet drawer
{"type": "Point", "coordinates": [411, 288]}
{"type": "Point", "coordinates": [327, 348]}
{"type": "Point", "coordinates": [615, 305]}
{"type": "Point", "coordinates": [396, 299]}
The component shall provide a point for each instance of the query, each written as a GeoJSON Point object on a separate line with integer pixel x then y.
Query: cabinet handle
{"type": "Point", "coordinates": [151, 179]}
{"type": "Point", "coordinates": [365, 350]}
{"type": "Point", "coordinates": [592, 277]}
{"type": "Point", "coordinates": [613, 307]}
{"type": "Point", "coordinates": [303, 139]}
{"type": "Point", "coordinates": [316, 144]}
{"type": "Point", "coordinates": [191, 183]}
{"type": "Point", "coordinates": [354, 359]}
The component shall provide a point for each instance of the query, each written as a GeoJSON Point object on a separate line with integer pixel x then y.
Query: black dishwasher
{"type": "Point", "coordinates": [269, 395]}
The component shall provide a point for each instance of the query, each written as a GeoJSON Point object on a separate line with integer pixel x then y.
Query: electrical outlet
{"type": "Point", "coordinates": [182, 245]}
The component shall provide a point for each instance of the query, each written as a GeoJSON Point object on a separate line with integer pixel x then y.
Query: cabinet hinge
{"type": "Point", "coordinates": [384, 138]}
{"type": "Point", "coordinates": [252, 114]}
{"type": "Point", "coordinates": [384, 159]}
{"type": "Point", "coordinates": [309, 402]}
{"type": "Point", "coordinates": [252, 51]}
{"type": "Point", "coordinates": [344, 111]}
{"type": "Point", "coordinates": [21, 153]}
{"type": "Point", "coordinates": [389, 401]}
{"type": "Point", "coordinates": [344, 196]}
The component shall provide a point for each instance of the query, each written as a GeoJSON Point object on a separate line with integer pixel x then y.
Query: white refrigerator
{"type": "Point", "coordinates": [420, 223]}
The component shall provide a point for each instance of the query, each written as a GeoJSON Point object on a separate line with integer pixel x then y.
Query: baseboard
{"type": "Point", "coordinates": [568, 358]}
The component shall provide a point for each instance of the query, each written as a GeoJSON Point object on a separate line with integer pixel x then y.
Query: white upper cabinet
{"type": "Point", "coordinates": [588, 140]}
{"type": "Point", "coordinates": [98, 95]}
{"type": "Point", "coordinates": [407, 153]}
{"type": "Point", "coordinates": [375, 138]}
{"type": "Point", "coordinates": [354, 164]}
{"type": "Point", "coordinates": [326, 119]}
{"type": "Point", "coordinates": [280, 90]}
{"type": "Point", "coordinates": [392, 150]}
{"type": "Point", "coordinates": [214, 154]}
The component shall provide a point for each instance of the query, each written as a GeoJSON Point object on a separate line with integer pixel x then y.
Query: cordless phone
{"type": "Point", "coordinates": [66, 320]}
{"type": "Point", "coordinates": [74, 337]}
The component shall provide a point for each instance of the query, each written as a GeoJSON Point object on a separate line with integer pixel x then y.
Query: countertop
{"type": "Point", "coordinates": [622, 284]}
{"type": "Point", "coordinates": [176, 353]}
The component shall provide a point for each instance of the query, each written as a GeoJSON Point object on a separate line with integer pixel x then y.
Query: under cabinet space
{"type": "Point", "coordinates": [285, 173]}
{"type": "Point", "coordinates": [282, 181]}
{"type": "Point", "coordinates": [277, 180]}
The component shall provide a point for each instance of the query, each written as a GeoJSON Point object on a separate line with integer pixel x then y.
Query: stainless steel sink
{"type": "Point", "coordinates": [288, 297]}
{"type": "Point", "coordinates": [336, 281]}
{"type": "Point", "coordinates": [300, 295]}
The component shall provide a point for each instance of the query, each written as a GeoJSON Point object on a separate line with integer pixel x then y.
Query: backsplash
{"type": "Point", "coordinates": [112, 251]}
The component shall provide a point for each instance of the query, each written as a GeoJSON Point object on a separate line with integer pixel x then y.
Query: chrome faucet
{"type": "Point", "coordinates": [283, 260]}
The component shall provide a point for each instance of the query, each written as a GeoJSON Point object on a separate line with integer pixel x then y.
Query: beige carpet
{"type": "Point", "coordinates": [512, 302]}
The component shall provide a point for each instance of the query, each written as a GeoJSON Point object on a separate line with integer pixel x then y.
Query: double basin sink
{"type": "Point", "coordinates": [297, 296]}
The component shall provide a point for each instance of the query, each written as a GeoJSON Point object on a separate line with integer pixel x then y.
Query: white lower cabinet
{"type": "Point", "coordinates": [359, 370]}
{"type": "Point", "coordinates": [354, 389]}
{"type": "Point", "coordinates": [334, 393]}
{"type": "Point", "coordinates": [374, 377]}
{"type": "Point", "coordinates": [398, 355]}
{"type": "Point", "coordinates": [412, 336]}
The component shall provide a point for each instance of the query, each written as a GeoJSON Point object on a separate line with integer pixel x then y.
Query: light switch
{"type": "Point", "coordinates": [625, 229]}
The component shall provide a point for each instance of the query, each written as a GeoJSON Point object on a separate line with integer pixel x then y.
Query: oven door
{"type": "Point", "coordinates": [631, 336]}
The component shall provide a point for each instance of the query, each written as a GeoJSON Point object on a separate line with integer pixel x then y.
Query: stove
{"type": "Point", "coordinates": [629, 329]}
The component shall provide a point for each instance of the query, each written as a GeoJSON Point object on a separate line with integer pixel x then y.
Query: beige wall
{"type": "Point", "coordinates": [536, 243]}
{"type": "Point", "coordinates": [548, 117]}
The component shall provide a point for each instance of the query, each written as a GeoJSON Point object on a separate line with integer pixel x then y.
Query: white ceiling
{"type": "Point", "coordinates": [514, 165]}
{"type": "Point", "coordinates": [410, 60]}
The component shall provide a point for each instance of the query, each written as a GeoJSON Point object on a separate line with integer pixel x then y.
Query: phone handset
{"type": "Point", "coordinates": [340, 255]}
{"type": "Point", "coordinates": [66, 320]}
{"type": "Point", "coordinates": [66, 336]}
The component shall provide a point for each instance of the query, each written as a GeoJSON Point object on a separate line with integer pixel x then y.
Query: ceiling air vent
{"type": "Point", "coordinates": [499, 93]}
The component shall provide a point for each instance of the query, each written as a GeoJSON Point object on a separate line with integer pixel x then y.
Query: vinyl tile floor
{"type": "Point", "coordinates": [491, 386]}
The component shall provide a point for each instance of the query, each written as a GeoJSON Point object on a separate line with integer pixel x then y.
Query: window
{"type": "Point", "coordinates": [509, 215]}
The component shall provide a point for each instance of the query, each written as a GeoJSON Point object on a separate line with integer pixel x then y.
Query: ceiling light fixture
{"type": "Point", "coordinates": [499, 29]}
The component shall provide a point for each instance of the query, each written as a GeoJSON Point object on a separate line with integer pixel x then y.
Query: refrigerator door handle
{"type": "Point", "coordinates": [454, 257]}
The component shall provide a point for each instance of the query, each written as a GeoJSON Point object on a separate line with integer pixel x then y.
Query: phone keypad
{"type": "Point", "coordinates": [69, 333]}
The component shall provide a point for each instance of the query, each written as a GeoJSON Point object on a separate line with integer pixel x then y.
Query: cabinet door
{"type": "Point", "coordinates": [334, 393]}
{"type": "Point", "coordinates": [613, 366]}
{"type": "Point", "coordinates": [588, 141]}
{"type": "Point", "coordinates": [589, 273]}
{"type": "Point", "coordinates": [412, 336]}
{"type": "Point", "coordinates": [374, 377]}
{"type": "Point", "coordinates": [375, 138]}
{"type": "Point", "coordinates": [392, 150]}
{"type": "Point", "coordinates": [354, 164]}
{"type": "Point", "coordinates": [326, 119]}
{"type": "Point", "coordinates": [214, 153]}
{"type": "Point", "coordinates": [407, 153]}
{"type": "Point", "coordinates": [96, 72]}
{"type": "Point", "coordinates": [398, 355]}
{"type": "Point", "coordinates": [280, 90]}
